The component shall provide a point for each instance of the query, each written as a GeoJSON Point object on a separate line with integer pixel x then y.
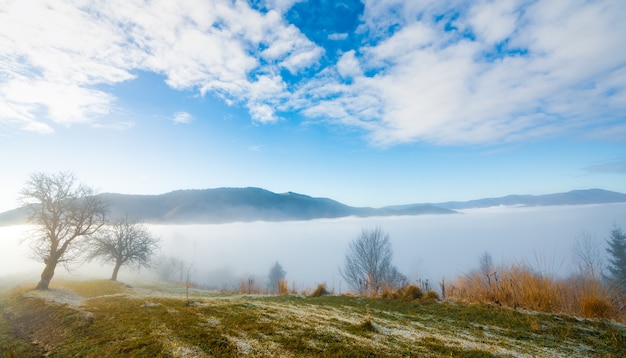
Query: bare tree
{"type": "Point", "coordinates": [124, 243]}
{"type": "Point", "coordinates": [66, 213]}
{"type": "Point", "coordinates": [588, 257]}
{"type": "Point", "coordinates": [485, 263]}
{"type": "Point", "coordinates": [367, 263]}
{"type": "Point", "coordinates": [395, 278]}
{"type": "Point", "coordinates": [170, 269]}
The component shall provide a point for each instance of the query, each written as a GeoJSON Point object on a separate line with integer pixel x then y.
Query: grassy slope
{"type": "Point", "coordinates": [106, 319]}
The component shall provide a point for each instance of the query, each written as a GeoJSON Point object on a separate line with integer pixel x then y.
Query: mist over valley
{"type": "Point", "coordinates": [425, 246]}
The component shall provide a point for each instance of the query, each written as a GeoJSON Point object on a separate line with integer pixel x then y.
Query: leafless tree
{"type": "Point", "coordinates": [124, 243]}
{"type": "Point", "coordinates": [367, 265]}
{"type": "Point", "coordinates": [66, 213]}
{"type": "Point", "coordinates": [588, 257]}
{"type": "Point", "coordinates": [170, 269]}
{"type": "Point", "coordinates": [485, 264]}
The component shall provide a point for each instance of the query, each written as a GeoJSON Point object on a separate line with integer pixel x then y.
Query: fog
{"type": "Point", "coordinates": [426, 246]}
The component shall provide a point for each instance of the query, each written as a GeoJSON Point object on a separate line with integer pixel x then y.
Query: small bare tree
{"type": "Point", "coordinates": [367, 263]}
{"type": "Point", "coordinates": [588, 257]}
{"type": "Point", "coordinates": [170, 269]}
{"type": "Point", "coordinates": [485, 264]}
{"type": "Point", "coordinates": [124, 243]}
{"type": "Point", "coordinates": [66, 213]}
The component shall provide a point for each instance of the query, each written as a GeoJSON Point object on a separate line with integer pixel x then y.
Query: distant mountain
{"type": "Point", "coordinates": [225, 205]}
{"type": "Point", "coordinates": [574, 197]}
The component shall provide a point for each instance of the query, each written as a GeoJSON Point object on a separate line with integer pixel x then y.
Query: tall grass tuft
{"type": "Point", "coordinates": [596, 307]}
{"type": "Point", "coordinates": [249, 286]}
{"type": "Point", "coordinates": [519, 286]}
{"type": "Point", "coordinates": [283, 287]}
{"type": "Point", "coordinates": [320, 291]}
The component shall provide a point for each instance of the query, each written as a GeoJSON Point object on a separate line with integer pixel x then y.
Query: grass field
{"type": "Point", "coordinates": [108, 319]}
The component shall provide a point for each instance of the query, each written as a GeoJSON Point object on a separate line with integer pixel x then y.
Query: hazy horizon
{"type": "Point", "coordinates": [425, 246]}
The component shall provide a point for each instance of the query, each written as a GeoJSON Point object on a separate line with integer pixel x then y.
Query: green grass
{"type": "Point", "coordinates": [114, 320]}
{"type": "Point", "coordinates": [11, 345]}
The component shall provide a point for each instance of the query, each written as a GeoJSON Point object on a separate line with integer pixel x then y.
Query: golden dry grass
{"type": "Point", "coordinates": [518, 286]}
{"type": "Point", "coordinates": [283, 287]}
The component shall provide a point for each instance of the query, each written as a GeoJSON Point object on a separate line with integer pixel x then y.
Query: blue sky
{"type": "Point", "coordinates": [371, 103]}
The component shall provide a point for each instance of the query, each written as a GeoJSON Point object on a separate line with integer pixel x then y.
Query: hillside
{"type": "Point", "coordinates": [225, 205]}
{"type": "Point", "coordinates": [109, 319]}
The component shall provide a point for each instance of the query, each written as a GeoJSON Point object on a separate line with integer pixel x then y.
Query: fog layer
{"type": "Point", "coordinates": [425, 246]}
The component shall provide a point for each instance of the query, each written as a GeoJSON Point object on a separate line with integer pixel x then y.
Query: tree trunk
{"type": "Point", "coordinates": [118, 264]}
{"type": "Point", "coordinates": [46, 275]}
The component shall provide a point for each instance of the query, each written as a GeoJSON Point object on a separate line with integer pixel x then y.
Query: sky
{"type": "Point", "coordinates": [370, 103]}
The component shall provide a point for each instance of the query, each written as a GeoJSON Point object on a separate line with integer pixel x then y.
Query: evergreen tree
{"type": "Point", "coordinates": [617, 260]}
{"type": "Point", "coordinates": [276, 274]}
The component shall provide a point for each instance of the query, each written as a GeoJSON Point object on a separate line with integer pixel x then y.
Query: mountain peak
{"type": "Point", "coordinates": [222, 205]}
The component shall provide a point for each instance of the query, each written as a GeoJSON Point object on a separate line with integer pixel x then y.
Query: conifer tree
{"type": "Point", "coordinates": [617, 258]}
{"type": "Point", "coordinates": [277, 273]}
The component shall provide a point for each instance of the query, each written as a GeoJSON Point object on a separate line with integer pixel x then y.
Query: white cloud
{"type": "Point", "coordinates": [262, 112]}
{"type": "Point", "coordinates": [348, 65]}
{"type": "Point", "coordinates": [493, 21]}
{"type": "Point", "coordinates": [561, 72]}
{"type": "Point", "coordinates": [511, 70]}
{"type": "Point", "coordinates": [337, 37]}
{"type": "Point", "coordinates": [53, 53]}
{"type": "Point", "coordinates": [47, 69]}
{"type": "Point", "coordinates": [182, 118]}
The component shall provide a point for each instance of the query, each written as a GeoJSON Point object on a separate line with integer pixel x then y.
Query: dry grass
{"type": "Point", "coordinates": [431, 295]}
{"type": "Point", "coordinates": [518, 286]}
{"type": "Point", "coordinates": [283, 287]}
{"type": "Point", "coordinates": [320, 291]}
{"type": "Point", "coordinates": [143, 322]}
{"type": "Point", "coordinates": [250, 287]}
{"type": "Point", "coordinates": [596, 307]}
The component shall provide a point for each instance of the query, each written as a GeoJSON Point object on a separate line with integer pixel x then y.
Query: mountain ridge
{"type": "Point", "coordinates": [225, 205]}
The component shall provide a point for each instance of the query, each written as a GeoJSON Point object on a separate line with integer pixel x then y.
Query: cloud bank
{"type": "Point", "coordinates": [441, 72]}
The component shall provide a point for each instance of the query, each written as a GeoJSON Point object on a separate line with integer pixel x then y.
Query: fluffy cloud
{"type": "Point", "coordinates": [444, 72]}
{"type": "Point", "coordinates": [182, 118]}
{"type": "Point", "coordinates": [494, 72]}
{"type": "Point", "coordinates": [54, 54]}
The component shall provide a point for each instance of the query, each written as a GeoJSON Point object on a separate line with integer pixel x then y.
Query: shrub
{"type": "Point", "coordinates": [410, 293]}
{"type": "Point", "coordinates": [388, 293]}
{"type": "Point", "coordinates": [320, 291]}
{"type": "Point", "coordinates": [431, 295]}
{"type": "Point", "coordinates": [595, 307]}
